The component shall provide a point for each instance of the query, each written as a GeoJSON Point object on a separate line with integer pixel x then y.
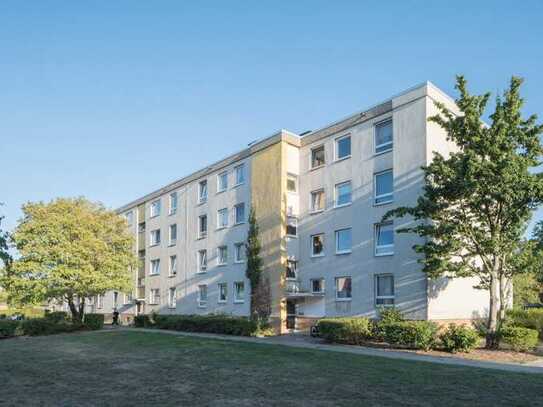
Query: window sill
{"type": "Point", "coordinates": [292, 236]}
{"type": "Point", "coordinates": [172, 275]}
{"type": "Point", "coordinates": [172, 244]}
{"type": "Point", "coordinates": [239, 223]}
{"type": "Point", "coordinates": [153, 303]}
{"type": "Point", "coordinates": [317, 167]}
{"type": "Point", "coordinates": [382, 203]}
{"type": "Point", "coordinates": [154, 245]}
{"type": "Point", "coordinates": [222, 264]}
{"type": "Point", "coordinates": [154, 216]}
{"type": "Point", "coordinates": [378, 153]}
{"type": "Point", "coordinates": [239, 261]}
{"type": "Point", "coordinates": [201, 237]}
{"type": "Point", "coordinates": [221, 228]}
{"type": "Point", "coordinates": [172, 213]}
{"type": "Point", "coordinates": [317, 255]}
{"type": "Point", "coordinates": [343, 205]}
{"type": "Point", "coordinates": [222, 302]}
{"type": "Point", "coordinates": [238, 185]}
{"type": "Point", "coordinates": [343, 299]}
{"type": "Point", "coordinates": [384, 254]}
{"type": "Point", "coordinates": [239, 301]}
{"type": "Point", "coordinates": [316, 212]}
{"type": "Point", "coordinates": [317, 292]}
{"type": "Point", "coordinates": [202, 306]}
{"type": "Point", "coordinates": [154, 275]}
{"type": "Point", "coordinates": [337, 160]}
{"type": "Point", "coordinates": [221, 191]}
{"type": "Point", "coordinates": [343, 252]}
{"type": "Point", "coordinates": [201, 272]}
{"type": "Point", "coordinates": [172, 307]}
{"type": "Point", "coordinates": [201, 202]}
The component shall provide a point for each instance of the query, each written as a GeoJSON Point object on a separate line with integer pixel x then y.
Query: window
{"type": "Point", "coordinates": [223, 292]}
{"type": "Point", "coordinates": [128, 298]}
{"type": "Point", "coordinates": [173, 203]}
{"type": "Point", "coordinates": [317, 245]}
{"type": "Point", "coordinates": [292, 266]}
{"type": "Point", "coordinates": [343, 194]}
{"type": "Point", "coordinates": [90, 301]}
{"type": "Point", "coordinates": [239, 292]}
{"type": "Point", "coordinates": [172, 297]}
{"type": "Point", "coordinates": [173, 266]}
{"type": "Point", "coordinates": [343, 241]}
{"type": "Point", "coordinates": [202, 261]}
{"type": "Point", "coordinates": [292, 226]}
{"type": "Point", "coordinates": [155, 208]}
{"type": "Point", "coordinates": [202, 295]}
{"type": "Point", "coordinates": [115, 299]}
{"type": "Point", "coordinates": [99, 301]}
{"type": "Point", "coordinates": [222, 255]}
{"type": "Point", "coordinates": [129, 216]}
{"type": "Point", "coordinates": [173, 234]}
{"type": "Point", "coordinates": [141, 227]}
{"type": "Point", "coordinates": [239, 213]}
{"type": "Point", "coordinates": [343, 289]}
{"type": "Point", "coordinates": [343, 147]}
{"type": "Point", "coordinates": [155, 237]}
{"type": "Point", "coordinates": [155, 267]}
{"type": "Point", "coordinates": [239, 172]}
{"type": "Point", "coordinates": [384, 239]}
{"type": "Point", "coordinates": [239, 252]}
{"type": "Point", "coordinates": [317, 286]}
{"type": "Point", "coordinates": [292, 183]}
{"type": "Point", "coordinates": [222, 181]}
{"type": "Point", "coordinates": [383, 137]}
{"type": "Point", "coordinates": [154, 296]}
{"type": "Point", "coordinates": [202, 191]}
{"type": "Point", "coordinates": [317, 200]}
{"type": "Point", "coordinates": [384, 290]}
{"type": "Point", "coordinates": [384, 187]}
{"type": "Point", "coordinates": [202, 226]}
{"type": "Point", "coordinates": [222, 218]}
{"type": "Point", "coordinates": [317, 157]}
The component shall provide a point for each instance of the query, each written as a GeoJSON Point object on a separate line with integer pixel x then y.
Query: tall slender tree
{"type": "Point", "coordinates": [259, 290]}
{"type": "Point", "coordinates": [477, 202]}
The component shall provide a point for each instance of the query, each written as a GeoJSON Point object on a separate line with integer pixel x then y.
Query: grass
{"type": "Point", "coordinates": [133, 368]}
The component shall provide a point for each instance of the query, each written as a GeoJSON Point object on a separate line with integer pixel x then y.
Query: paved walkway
{"type": "Point", "coordinates": [306, 342]}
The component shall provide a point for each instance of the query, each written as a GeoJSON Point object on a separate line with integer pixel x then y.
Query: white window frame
{"type": "Point", "coordinates": [388, 194]}
{"type": "Point", "coordinates": [382, 250]}
{"type": "Point", "coordinates": [239, 248]}
{"type": "Point", "coordinates": [236, 220]}
{"type": "Point", "coordinates": [129, 216]}
{"type": "Point", "coordinates": [172, 298]}
{"type": "Point", "coordinates": [220, 286]}
{"type": "Point", "coordinates": [336, 147]}
{"type": "Point", "coordinates": [201, 266]}
{"type": "Point", "coordinates": [322, 291]}
{"type": "Point", "coordinates": [384, 297]}
{"type": "Point", "coordinates": [154, 296]}
{"type": "Point", "coordinates": [336, 194]}
{"type": "Point", "coordinates": [172, 266]}
{"type": "Point", "coordinates": [202, 303]}
{"type": "Point", "coordinates": [128, 298]}
{"type": "Point", "coordinates": [202, 198]}
{"type": "Point", "coordinates": [99, 301]}
{"type": "Point", "coordinates": [236, 299]}
{"type": "Point", "coordinates": [239, 169]}
{"type": "Point", "coordinates": [172, 241]}
{"type": "Point", "coordinates": [173, 203]}
{"type": "Point", "coordinates": [322, 253]}
{"type": "Point", "coordinates": [202, 233]}
{"type": "Point", "coordinates": [292, 177]}
{"type": "Point", "coordinates": [389, 144]}
{"type": "Point", "coordinates": [154, 241]}
{"type": "Point", "coordinates": [311, 157]}
{"type": "Point", "coordinates": [222, 213]}
{"type": "Point", "coordinates": [219, 178]}
{"type": "Point", "coordinates": [152, 269]}
{"type": "Point", "coordinates": [155, 208]}
{"type": "Point", "coordinates": [219, 251]}
{"type": "Point", "coordinates": [346, 251]}
{"type": "Point", "coordinates": [291, 221]}
{"type": "Point", "coordinates": [312, 193]}
{"type": "Point", "coordinates": [336, 289]}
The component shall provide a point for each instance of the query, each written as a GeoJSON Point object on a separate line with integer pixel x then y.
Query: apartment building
{"type": "Point", "coordinates": [319, 199]}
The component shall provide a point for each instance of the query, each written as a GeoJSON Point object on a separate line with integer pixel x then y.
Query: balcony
{"type": "Point", "coordinates": [141, 293]}
{"type": "Point", "coordinates": [141, 271]}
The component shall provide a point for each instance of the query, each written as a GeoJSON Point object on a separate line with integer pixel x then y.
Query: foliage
{"type": "Point", "coordinates": [218, 324]}
{"type": "Point", "coordinates": [459, 338]}
{"type": "Point", "coordinates": [56, 316]}
{"type": "Point", "coordinates": [529, 318]}
{"type": "Point", "coordinates": [142, 321]}
{"type": "Point", "coordinates": [9, 328]}
{"type": "Point", "coordinates": [260, 290]}
{"type": "Point", "coordinates": [520, 339]}
{"type": "Point", "coordinates": [353, 331]}
{"type": "Point", "coordinates": [412, 334]}
{"type": "Point", "coordinates": [44, 326]}
{"type": "Point", "coordinates": [5, 258]}
{"type": "Point", "coordinates": [387, 315]}
{"type": "Point", "coordinates": [94, 321]}
{"type": "Point", "coordinates": [476, 203]}
{"type": "Point", "coordinates": [70, 249]}
{"type": "Point", "coordinates": [526, 289]}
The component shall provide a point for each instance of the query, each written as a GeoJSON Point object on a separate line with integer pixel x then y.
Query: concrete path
{"type": "Point", "coordinates": [306, 342]}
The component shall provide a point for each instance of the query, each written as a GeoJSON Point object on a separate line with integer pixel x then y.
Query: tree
{"type": "Point", "coordinates": [70, 250]}
{"type": "Point", "coordinates": [260, 304]}
{"type": "Point", "coordinates": [5, 257]}
{"type": "Point", "coordinates": [477, 202]}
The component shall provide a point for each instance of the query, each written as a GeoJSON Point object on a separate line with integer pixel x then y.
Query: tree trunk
{"type": "Point", "coordinates": [81, 308]}
{"type": "Point", "coordinates": [503, 298]}
{"type": "Point", "coordinates": [77, 317]}
{"type": "Point", "coordinates": [493, 314]}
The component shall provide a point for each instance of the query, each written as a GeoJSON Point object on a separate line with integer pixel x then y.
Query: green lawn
{"type": "Point", "coordinates": [129, 368]}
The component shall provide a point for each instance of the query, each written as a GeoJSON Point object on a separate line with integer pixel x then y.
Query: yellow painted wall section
{"type": "Point", "coordinates": [268, 181]}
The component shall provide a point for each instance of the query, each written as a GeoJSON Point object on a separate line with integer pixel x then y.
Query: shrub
{"type": "Point", "coordinates": [529, 318]}
{"type": "Point", "coordinates": [142, 321]}
{"type": "Point", "coordinates": [94, 321]}
{"type": "Point", "coordinates": [56, 316]}
{"type": "Point", "coordinates": [9, 328]}
{"type": "Point", "coordinates": [412, 334]}
{"type": "Point", "coordinates": [218, 324]}
{"type": "Point", "coordinates": [43, 326]}
{"type": "Point", "coordinates": [387, 315]}
{"type": "Point", "coordinates": [519, 338]}
{"type": "Point", "coordinates": [459, 338]}
{"type": "Point", "coordinates": [353, 331]}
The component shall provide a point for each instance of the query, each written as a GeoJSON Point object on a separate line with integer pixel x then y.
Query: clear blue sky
{"type": "Point", "coordinates": [113, 99]}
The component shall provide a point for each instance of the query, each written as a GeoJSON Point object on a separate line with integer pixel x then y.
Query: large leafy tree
{"type": "Point", "coordinates": [70, 250]}
{"type": "Point", "coordinates": [477, 202]}
{"type": "Point", "coordinates": [5, 257]}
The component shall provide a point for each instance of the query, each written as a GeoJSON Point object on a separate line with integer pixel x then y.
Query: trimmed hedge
{"type": "Point", "coordinates": [519, 338]}
{"type": "Point", "coordinates": [9, 329]}
{"type": "Point", "coordinates": [387, 315]}
{"type": "Point", "coordinates": [56, 316]}
{"type": "Point", "coordinates": [94, 321]}
{"type": "Point", "coordinates": [353, 331]}
{"type": "Point", "coordinates": [411, 334]}
{"type": "Point", "coordinates": [526, 318]}
{"type": "Point", "coordinates": [459, 338]}
{"type": "Point", "coordinates": [142, 321]}
{"type": "Point", "coordinates": [43, 326]}
{"type": "Point", "coordinates": [217, 324]}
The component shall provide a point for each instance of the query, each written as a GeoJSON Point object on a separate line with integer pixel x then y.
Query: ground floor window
{"type": "Point", "coordinates": [154, 296]}
{"type": "Point", "coordinates": [202, 295]}
{"type": "Point", "coordinates": [343, 288]}
{"type": "Point", "coordinates": [223, 292]}
{"type": "Point", "coordinates": [172, 298]}
{"type": "Point", "coordinates": [99, 301]}
{"type": "Point", "coordinates": [384, 289]}
{"type": "Point", "coordinates": [239, 291]}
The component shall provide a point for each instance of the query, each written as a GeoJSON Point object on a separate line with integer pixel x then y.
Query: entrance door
{"type": "Point", "coordinates": [140, 308]}
{"type": "Point", "coordinates": [291, 314]}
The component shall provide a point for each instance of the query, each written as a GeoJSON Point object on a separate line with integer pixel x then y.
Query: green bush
{"type": "Point", "coordinates": [43, 326]}
{"type": "Point", "coordinates": [529, 318]}
{"type": "Point", "coordinates": [9, 328]}
{"type": "Point", "coordinates": [459, 338]}
{"type": "Point", "coordinates": [412, 334]}
{"type": "Point", "coordinates": [353, 331]}
{"type": "Point", "coordinates": [94, 321]}
{"type": "Point", "coordinates": [142, 321]}
{"type": "Point", "coordinates": [218, 324]}
{"type": "Point", "coordinates": [387, 315]}
{"type": "Point", "coordinates": [56, 316]}
{"type": "Point", "coordinates": [519, 338]}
